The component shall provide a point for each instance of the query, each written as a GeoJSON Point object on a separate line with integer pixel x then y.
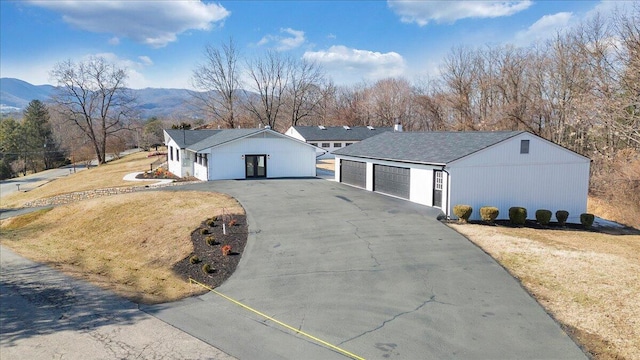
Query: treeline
{"type": "Point", "coordinates": [29, 145]}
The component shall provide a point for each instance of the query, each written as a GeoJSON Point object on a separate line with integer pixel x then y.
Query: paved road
{"type": "Point", "coordinates": [377, 276]}
{"type": "Point", "coordinates": [32, 181]}
{"type": "Point", "coordinates": [47, 315]}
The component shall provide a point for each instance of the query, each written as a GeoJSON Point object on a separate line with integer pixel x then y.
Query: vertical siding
{"type": "Point", "coordinates": [548, 177]}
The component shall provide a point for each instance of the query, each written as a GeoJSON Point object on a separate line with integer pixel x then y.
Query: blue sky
{"type": "Point", "coordinates": [161, 42]}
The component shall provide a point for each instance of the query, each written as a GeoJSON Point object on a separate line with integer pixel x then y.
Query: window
{"type": "Point", "coordinates": [524, 146]}
{"type": "Point", "coordinates": [326, 145]}
{"type": "Point", "coordinates": [347, 144]}
{"type": "Point", "coordinates": [171, 153]}
{"type": "Point", "coordinates": [314, 144]}
{"type": "Point", "coordinates": [177, 154]}
{"type": "Point", "coordinates": [205, 161]}
{"type": "Point", "coordinates": [337, 145]}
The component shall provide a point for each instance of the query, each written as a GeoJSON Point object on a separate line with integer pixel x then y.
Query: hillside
{"type": "Point", "coordinates": [16, 94]}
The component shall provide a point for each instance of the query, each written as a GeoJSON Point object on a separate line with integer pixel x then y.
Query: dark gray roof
{"type": "Point", "coordinates": [184, 138]}
{"type": "Point", "coordinates": [425, 147]}
{"type": "Point", "coordinates": [338, 133]}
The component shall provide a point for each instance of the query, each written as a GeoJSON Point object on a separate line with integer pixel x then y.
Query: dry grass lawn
{"type": "Point", "coordinates": [126, 243]}
{"type": "Point", "coordinates": [326, 164]}
{"type": "Point", "coordinates": [99, 177]}
{"type": "Point", "coordinates": [589, 281]}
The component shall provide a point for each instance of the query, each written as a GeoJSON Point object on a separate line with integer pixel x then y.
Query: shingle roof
{"type": "Point", "coordinates": [221, 137]}
{"type": "Point", "coordinates": [338, 133]}
{"type": "Point", "coordinates": [425, 147]}
{"type": "Point", "coordinates": [184, 138]}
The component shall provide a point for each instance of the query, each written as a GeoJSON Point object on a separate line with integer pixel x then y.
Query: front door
{"type": "Point", "coordinates": [256, 166]}
{"type": "Point", "coordinates": [437, 188]}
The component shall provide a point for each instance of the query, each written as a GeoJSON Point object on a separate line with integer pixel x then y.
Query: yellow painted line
{"type": "Point", "coordinates": [331, 346]}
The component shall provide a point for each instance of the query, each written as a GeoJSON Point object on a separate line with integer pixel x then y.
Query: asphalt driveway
{"type": "Point", "coordinates": [377, 276]}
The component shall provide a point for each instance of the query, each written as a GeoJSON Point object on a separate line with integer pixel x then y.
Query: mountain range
{"type": "Point", "coordinates": [16, 94]}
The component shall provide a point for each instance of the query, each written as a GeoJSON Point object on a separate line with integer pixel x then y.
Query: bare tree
{"type": "Point", "coordinates": [218, 78]}
{"type": "Point", "coordinates": [92, 95]}
{"type": "Point", "coordinates": [304, 93]}
{"type": "Point", "coordinates": [269, 80]}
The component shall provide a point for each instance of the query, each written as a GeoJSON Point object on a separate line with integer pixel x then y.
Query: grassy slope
{"type": "Point", "coordinates": [127, 243]}
{"type": "Point", "coordinates": [589, 281]}
{"type": "Point", "coordinates": [99, 177]}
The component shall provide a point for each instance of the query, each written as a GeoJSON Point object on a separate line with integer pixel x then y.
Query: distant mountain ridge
{"type": "Point", "coordinates": [15, 95]}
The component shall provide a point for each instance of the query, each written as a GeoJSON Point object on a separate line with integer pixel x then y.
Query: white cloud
{"type": "Point", "coordinates": [146, 60]}
{"type": "Point", "coordinates": [422, 12]}
{"type": "Point", "coordinates": [155, 23]}
{"type": "Point", "coordinates": [114, 41]}
{"type": "Point", "coordinates": [546, 27]}
{"type": "Point", "coordinates": [348, 65]}
{"type": "Point", "coordinates": [284, 43]}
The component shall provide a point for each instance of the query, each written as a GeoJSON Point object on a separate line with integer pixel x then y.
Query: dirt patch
{"type": "Point", "coordinates": [588, 280]}
{"type": "Point", "coordinates": [210, 252]}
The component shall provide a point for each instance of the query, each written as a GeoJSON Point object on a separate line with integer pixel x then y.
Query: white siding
{"type": "Point", "coordinates": [174, 166]}
{"type": "Point", "coordinates": [285, 158]}
{"type": "Point", "coordinates": [548, 177]}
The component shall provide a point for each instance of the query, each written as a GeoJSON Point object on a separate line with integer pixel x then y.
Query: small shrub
{"type": "Point", "coordinates": [194, 259]}
{"type": "Point", "coordinates": [211, 223]}
{"type": "Point", "coordinates": [543, 216]}
{"type": "Point", "coordinates": [517, 215]}
{"type": "Point", "coordinates": [211, 240]}
{"type": "Point", "coordinates": [214, 218]}
{"type": "Point", "coordinates": [463, 212]}
{"type": "Point", "coordinates": [562, 216]}
{"type": "Point", "coordinates": [489, 213]}
{"type": "Point", "coordinates": [226, 250]}
{"type": "Point", "coordinates": [586, 220]}
{"type": "Point", "coordinates": [204, 231]}
{"type": "Point", "coordinates": [206, 268]}
{"type": "Point", "coordinates": [233, 222]}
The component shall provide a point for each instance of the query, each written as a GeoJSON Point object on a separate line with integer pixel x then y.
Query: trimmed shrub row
{"type": "Point", "coordinates": [518, 215]}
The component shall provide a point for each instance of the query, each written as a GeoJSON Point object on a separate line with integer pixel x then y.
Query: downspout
{"type": "Point", "coordinates": [446, 197]}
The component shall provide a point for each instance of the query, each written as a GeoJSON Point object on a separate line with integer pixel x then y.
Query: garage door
{"type": "Point", "coordinates": [353, 173]}
{"type": "Point", "coordinates": [391, 180]}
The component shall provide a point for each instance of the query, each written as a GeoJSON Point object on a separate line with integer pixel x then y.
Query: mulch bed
{"type": "Point", "coordinates": [222, 266]}
{"type": "Point", "coordinates": [532, 224]}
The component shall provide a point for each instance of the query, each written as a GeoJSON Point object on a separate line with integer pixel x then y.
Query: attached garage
{"type": "Point", "coordinates": [354, 173]}
{"type": "Point", "coordinates": [392, 180]}
{"type": "Point", "coordinates": [443, 169]}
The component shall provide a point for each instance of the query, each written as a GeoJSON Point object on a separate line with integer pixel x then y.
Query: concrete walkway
{"type": "Point", "coordinates": [376, 276]}
{"type": "Point", "coordinates": [47, 315]}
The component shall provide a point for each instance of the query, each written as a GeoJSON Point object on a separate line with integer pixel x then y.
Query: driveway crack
{"type": "Point", "coordinates": [371, 254]}
{"type": "Point", "coordinates": [430, 300]}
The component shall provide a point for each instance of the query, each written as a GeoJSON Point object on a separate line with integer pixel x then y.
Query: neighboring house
{"type": "Point", "coordinates": [443, 169]}
{"type": "Point", "coordinates": [237, 154]}
{"type": "Point", "coordinates": [330, 138]}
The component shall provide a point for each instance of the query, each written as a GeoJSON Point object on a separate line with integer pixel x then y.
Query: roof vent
{"type": "Point", "coordinates": [370, 127]}
{"type": "Point", "coordinates": [267, 127]}
{"type": "Point", "coordinates": [322, 127]}
{"type": "Point", "coordinates": [346, 127]}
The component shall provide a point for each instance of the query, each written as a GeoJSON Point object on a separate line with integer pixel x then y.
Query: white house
{"type": "Point", "coordinates": [238, 154]}
{"type": "Point", "coordinates": [330, 138]}
{"type": "Point", "coordinates": [443, 169]}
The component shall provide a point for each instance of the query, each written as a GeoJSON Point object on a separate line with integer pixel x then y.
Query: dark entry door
{"type": "Point", "coordinates": [437, 188]}
{"type": "Point", "coordinates": [256, 166]}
